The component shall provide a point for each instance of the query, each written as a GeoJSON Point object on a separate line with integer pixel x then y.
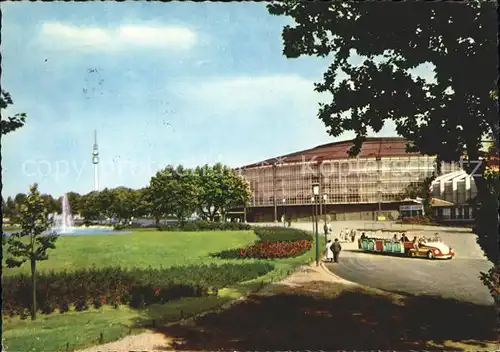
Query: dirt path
{"type": "Point", "coordinates": [153, 341]}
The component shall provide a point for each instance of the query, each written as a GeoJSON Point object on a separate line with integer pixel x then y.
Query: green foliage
{"type": "Point", "coordinates": [221, 189]}
{"type": "Point", "coordinates": [443, 117]}
{"type": "Point", "coordinates": [203, 225]}
{"type": "Point", "coordinates": [30, 244]}
{"type": "Point", "coordinates": [281, 234]}
{"type": "Point", "coordinates": [137, 287]}
{"type": "Point", "coordinates": [10, 123]}
{"type": "Point", "coordinates": [421, 190]}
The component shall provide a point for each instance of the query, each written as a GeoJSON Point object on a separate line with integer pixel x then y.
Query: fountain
{"type": "Point", "coordinates": [64, 223]}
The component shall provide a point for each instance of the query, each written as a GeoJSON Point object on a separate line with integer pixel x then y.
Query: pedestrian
{"type": "Point", "coordinates": [325, 229]}
{"type": "Point", "coordinates": [336, 248]}
{"type": "Point", "coordinates": [328, 251]}
{"type": "Point", "coordinates": [353, 235]}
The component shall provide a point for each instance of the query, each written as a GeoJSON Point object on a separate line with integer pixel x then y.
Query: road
{"type": "Point", "coordinates": [457, 278]}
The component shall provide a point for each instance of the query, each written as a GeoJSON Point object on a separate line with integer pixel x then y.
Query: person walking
{"type": "Point", "coordinates": [328, 251]}
{"type": "Point", "coordinates": [336, 248]}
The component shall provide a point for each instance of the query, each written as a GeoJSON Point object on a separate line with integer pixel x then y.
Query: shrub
{"type": "Point", "coordinates": [281, 234]}
{"type": "Point", "coordinates": [190, 226]}
{"type": "Point", "coordinates": [268, 250]}
{"type": "Point", "coordinates": [116, 286]}
{"type": "Point", "coordinates": [415, 220]}
{"type": "Point", "coordinates": [203, 225]}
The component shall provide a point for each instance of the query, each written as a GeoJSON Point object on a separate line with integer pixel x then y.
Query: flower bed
{"type": "Point", "coordinates": [268, 250]}
{"type": "Point", "coordinates": [115, 286]}
{"type": "Point", "coordinates": [415, 220]}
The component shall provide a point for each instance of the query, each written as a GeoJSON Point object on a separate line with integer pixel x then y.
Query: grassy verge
{"type": "Point", "coordinates": [75, 330]}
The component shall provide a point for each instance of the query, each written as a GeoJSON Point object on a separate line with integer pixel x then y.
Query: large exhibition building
{"type": "Point", "coordinates": [365, 187]}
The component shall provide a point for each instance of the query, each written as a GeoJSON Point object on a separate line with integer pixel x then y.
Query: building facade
{"type": "Point", "coordinates": [360, 188]}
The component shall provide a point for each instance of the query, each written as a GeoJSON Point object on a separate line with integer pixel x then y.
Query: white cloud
{"type": "Point", "coordinates": [121, 38]}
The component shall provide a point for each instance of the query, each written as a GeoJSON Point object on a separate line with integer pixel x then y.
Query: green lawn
{"type": "Point", "coordinates": [55, 332]}
{"type": "Point", "coordinates": [141, 249]}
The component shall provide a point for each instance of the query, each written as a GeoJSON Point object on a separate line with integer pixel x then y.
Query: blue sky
{"type": "Point", "coordinates": [163, 83]}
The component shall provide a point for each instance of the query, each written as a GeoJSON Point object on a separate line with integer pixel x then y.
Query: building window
{"type": "Point", "coordinates": [446, 213]}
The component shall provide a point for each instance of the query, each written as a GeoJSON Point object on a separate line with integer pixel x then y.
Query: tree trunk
{"type": "Point", "coordinates": [33, 287]}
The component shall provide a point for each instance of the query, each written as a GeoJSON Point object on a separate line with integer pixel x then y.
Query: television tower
{"type": "Point", "coordinates": [95, 161]}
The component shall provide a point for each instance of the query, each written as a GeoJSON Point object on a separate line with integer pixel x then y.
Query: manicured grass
{"type": "Point", "coordinates": [142, 248]}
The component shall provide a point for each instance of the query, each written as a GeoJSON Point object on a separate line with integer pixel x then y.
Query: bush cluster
{"type": "Point", "coordinates": [203, 225]}
{"type": "Point", "coordinates": [268, 250]}
{"type": "Point", "coordinates": [415, 220]}
{"type": "Point", "coordinates": [281, 234]}
{"type": "Point", "coordinates": [84, 288]}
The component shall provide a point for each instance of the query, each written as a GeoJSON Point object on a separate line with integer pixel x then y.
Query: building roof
{"type": "Point", "coordinates": [372, 147]}
{"type": "Point", "coordinates": [437, 203]}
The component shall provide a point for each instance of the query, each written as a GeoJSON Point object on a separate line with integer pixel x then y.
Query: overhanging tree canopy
{"type": "Point", "coordinates": [459, 39]}
{"type": "Point", "coordinates": [445, 116]}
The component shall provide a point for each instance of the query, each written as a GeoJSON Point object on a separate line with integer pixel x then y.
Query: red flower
{"type": "Point", "coordinates": [156, 291]}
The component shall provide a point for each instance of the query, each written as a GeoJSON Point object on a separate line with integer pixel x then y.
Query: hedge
{"type": "Point", "coordinates": [114, 286]}
{"type": "Point", "coordinates": [202, 225]}
{"type": "Point", "coordinates": [281, 234]}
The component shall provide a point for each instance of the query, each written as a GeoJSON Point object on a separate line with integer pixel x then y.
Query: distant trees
{"type": "Point", "coordinates": [209, 191]}
{"type": "Point", "coordinates": [31, 244]}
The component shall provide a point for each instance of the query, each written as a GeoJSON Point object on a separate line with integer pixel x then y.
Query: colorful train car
{"type": "Point", "coordinates": [430, 250]}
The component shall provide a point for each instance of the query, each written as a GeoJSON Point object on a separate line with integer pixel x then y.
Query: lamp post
{"type": "Point", "coordinates": [312, 213]}
{"type": "Point", "coordinates": [315, 189]}
{"type": "Point", "coordinates": [284, 213]}
{"type": "Point", "coordinates": [325, 197]}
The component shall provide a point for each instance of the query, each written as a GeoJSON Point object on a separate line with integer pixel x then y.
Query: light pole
{"type": "Point", "coordinates": [312, 213]}
{"type": "Point", "coordinates": [325, 197]}
{"type": "Point", "coordinates": [284, 213]}
{"type": "Point", "coordinates": [315, 189]}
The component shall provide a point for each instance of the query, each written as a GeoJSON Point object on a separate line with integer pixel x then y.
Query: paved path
{"type": "Point", "coordinates": [457, 278]}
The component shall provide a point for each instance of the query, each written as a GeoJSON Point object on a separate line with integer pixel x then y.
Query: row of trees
{"type": "Point", "coordinates": [207, 191]}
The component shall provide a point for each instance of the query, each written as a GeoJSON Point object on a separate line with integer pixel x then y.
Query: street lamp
{"type": "Point", "coordinates": [325, 197]}
{"type": "Point", "coordinates": [315, 190]}
{"type": "Point", "coordinates": [284, 217]}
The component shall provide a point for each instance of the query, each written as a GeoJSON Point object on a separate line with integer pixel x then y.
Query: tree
{"type": "Point", "coordinates": [442, 117]}
{"type": "Point", "coordinates": [421, 190]}
{"type": "Point", "coordinates": [89, 206]}
{"type": "Point", "coordinates": [124, 203]}
{"type": "Point", "coordinates": [158, 194]}
{"type": "Point", "coordinates": [52, 205]}
{"type": "Point", "coordinates": [73, 199]}
{"type": "Point", "coordinates": [31, 244]}
{"type": "Point", "coordinates": [8, 208]}
{"type": "Point", "coordinates": [12, 123]}
{"type": "Point", "coordinates": [184, 192]}
{"type": "Point", "coordinates": [143, 205]}
{"type": "Point", "coordinates": [221, 188]}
